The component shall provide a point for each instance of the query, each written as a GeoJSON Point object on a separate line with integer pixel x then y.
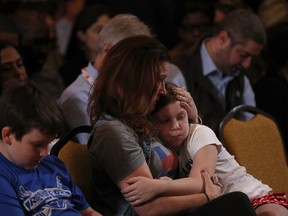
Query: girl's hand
{"type": "Point", "coordinates": [212, 190]}
{"type": "Point", "coordinates": [140, 190]}
{"type": "Point", "coordinates": [187, 102]}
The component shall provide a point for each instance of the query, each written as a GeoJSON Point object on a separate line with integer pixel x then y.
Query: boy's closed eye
{"type": "Point", "coordinates": [40, 145]}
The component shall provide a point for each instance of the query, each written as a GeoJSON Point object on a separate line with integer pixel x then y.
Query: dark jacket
{"type": "Point", "coordinates": [204, 93]}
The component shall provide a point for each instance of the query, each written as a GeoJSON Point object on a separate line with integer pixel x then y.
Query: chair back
{"type": "Point", "coordinates": [77, 160]}
{"type": "Point", "coordinates": [257, 145]}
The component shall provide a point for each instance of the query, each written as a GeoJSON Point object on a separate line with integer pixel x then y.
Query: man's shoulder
{"type": "Point", "coordinates": [77, 89]}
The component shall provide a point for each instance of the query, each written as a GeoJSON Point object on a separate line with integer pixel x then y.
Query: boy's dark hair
{"type": "Point", "coordinates": [24, 107]}
{"type": "Point", "coordinates": [164, 100]}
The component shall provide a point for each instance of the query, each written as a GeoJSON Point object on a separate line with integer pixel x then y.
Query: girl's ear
{"type": "Point", "coordinates": [6, 135]}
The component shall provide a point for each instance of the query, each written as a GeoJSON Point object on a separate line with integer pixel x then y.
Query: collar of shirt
{"type": "Point", "coordinates": [211, 71]}
{"type": "Point", "coordinates": [90, 73]}
{"type": "Point", "coordinates": [209, 66]}
{"type": "Point", "coordinates": [207, 62]}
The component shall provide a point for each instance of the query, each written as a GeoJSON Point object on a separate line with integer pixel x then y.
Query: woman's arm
{"type": "Point", "coordinates": [143, 189]}
{"type": "Point", "coordinates": [173, 204]}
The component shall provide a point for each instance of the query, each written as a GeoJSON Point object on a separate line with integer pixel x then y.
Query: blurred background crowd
{"type": "Point", "coordinates": [55, 39]}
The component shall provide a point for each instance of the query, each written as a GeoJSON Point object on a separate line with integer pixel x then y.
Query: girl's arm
{"type": "Point", "coordinates": [174, 205]}
{"type": "Point", "coordinates": [143, 189]}
{"type": "Point", "coordinates": [140, 184]}
{"type": "Point", "coordinates": [204, 159]}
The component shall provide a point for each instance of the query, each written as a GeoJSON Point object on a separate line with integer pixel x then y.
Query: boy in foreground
{"type": "Point", "coordinates": [33, 182]}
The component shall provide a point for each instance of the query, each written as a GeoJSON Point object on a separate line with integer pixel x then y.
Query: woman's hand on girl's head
{"type": "Point", "coordinates": [187, 102]}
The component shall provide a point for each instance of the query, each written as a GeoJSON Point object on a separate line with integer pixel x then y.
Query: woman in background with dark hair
{"type": "Point", "coordinates": [83, 41]}
{"type": "Point", "coordinates": [11, 64]}
{"type": "Point", "coordinates": [195, 20]}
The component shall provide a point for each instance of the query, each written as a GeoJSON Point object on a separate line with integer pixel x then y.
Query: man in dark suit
{"type": "Point", "coordinates": [214, 69]}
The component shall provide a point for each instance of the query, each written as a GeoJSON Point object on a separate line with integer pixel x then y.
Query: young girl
{"type": "Point", "coordinates": [198, 145]}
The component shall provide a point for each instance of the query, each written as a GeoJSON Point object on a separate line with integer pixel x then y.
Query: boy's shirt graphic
{"type": "Point", "coordinates": [44, 191]}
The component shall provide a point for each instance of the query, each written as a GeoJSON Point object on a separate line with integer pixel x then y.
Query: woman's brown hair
{"type": "Point", "coordinates": [128, 79]}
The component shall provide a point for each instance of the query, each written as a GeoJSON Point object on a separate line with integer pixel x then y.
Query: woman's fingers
{"type": "Point", "coordinates": [211, 189]}
{"type": "Point", "coordinates": [187, 102]}
{"type": "Point", "coordinates": [215, 180]}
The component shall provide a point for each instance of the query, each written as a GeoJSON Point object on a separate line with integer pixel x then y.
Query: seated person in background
{"type": "Point", "coordinates": [195, 20]}
{"type": "Point", "coordinates": [42, 59]}
{"type": "Point", "coordinates": [83, 41]}
{"type": "Point", "coordinates": [33, 182]}
{"type": "Point", "coordinates": [74, 100]}
{"type": "Point", "coordinates": [214, 70]}
{"type": "Point", "coordinates": [130, 82]}
{"type": "Point", "coordinates": [199, 149]}
{"type": "Point", "coordinates": [11, 64]}
{"type": "Point", "coordinates": [8, 30]}
{"type": "Point", "coordinates": [221, 9]}
{"type": "Point", "coordinates": [67, 12]}
{"type": "Point", "coordinates": [271, 90]}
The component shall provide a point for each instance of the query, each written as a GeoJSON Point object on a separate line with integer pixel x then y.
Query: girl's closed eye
{"type": "Point", "coordinates": [163, 121]}
{"type": "Point", "coordinates": [181, 117]}
{"type": "Point", "coordinates": [182, 114]}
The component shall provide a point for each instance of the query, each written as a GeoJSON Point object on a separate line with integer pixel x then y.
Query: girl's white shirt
{"type": "Point", "coordinates": [231, 175]}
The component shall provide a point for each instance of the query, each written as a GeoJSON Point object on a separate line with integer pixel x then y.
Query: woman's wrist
{"type": "Point", "coordinates": [161, 187]}
{"type": "Point", "coordinates": [207, 197]}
